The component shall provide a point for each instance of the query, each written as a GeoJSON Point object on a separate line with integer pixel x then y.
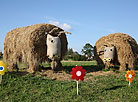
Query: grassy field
{"type": "Point", "coordinates": [105, 88]}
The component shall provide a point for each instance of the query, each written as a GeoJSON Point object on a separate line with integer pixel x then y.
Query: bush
{"type": "Point", "coordinates": [83, 58]}
{"type": "Point", "coordinates": [1, 55]}
{"type": "Point", "coordinates": [79, 58]}
{"type": "Point", "coordinates": [76, 57]}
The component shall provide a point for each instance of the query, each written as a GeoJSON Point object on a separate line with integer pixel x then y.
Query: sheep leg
{"type": "Point", "coordinates": [33, 67]}
{"type": "Point", "coordinates": [56, 65]}
{"type": "Point", "coordinates": [122, 67]}
{"type": "Point", "coordinates": [106, 66]}
{"type": "Point", "coordinates": [13, 66]}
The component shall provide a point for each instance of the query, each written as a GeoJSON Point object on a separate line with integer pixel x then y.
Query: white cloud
{"type": "Point", "coordinates": [64, 26]}
{"type": "Point", "coordinates": [56, 23]}
{"type": "Point", "coordinates": [111, 30]}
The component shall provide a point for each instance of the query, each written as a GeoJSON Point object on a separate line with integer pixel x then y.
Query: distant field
{"type": "Point", "coordinates": [79, 63]}
{"type": "Point", "coordinates": [74, 63]}
{"type": "Point", "coordinates": [97, 86]}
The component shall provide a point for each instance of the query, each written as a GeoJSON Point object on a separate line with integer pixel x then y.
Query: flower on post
{"type": "Point", "coordinates": [3, 68]}
{"type": "Point", "coordinates": [78, 73]}
{"type": "Point", "coordinates": [130, 76]}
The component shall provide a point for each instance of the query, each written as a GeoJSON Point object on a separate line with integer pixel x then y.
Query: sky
{"type": "Point", "coordinates": [87, 20]}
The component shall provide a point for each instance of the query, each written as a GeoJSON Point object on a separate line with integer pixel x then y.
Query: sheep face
{"type": "Point", "coordinates": [109, 54]}
{"type": "Point", "coordinates": [53, 46]}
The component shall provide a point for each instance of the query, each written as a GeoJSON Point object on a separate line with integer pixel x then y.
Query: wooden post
{"type": "Point", "coordinates": [0, 79]}
{"type": "Point", "coordinates": [77, 87]}
{"type": "Point", "coordinates": [129, 83]}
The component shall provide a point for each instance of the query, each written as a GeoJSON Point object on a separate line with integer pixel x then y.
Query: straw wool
{"type": "Point", "coordinates": [28, 44]}
{"type": "Point", "coordinates": [126, 50]}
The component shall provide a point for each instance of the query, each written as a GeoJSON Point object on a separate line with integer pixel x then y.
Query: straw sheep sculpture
{"type": "Point", "coordinates": [35, 44]}
{"type": "Point", "coordinates": [117, 49]}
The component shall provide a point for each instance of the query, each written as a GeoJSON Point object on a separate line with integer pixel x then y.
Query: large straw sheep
{"type": "Point", "coordinates": [35, 44]}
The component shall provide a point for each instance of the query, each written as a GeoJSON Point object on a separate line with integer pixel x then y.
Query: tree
{"type": "Point", "coordinates": [88, 50]}
{"type": "Point", "coordinates": [74, 55]}
{"type": "Point", "coordinates": [70, 52]}
{"type": "Point", "coordinates": [1, 54]}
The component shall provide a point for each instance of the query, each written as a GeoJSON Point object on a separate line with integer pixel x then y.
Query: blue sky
{"type": "Point", "coordinates": [87, 20]}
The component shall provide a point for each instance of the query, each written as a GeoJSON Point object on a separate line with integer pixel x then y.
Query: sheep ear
{"type": "Point", "coordinates": [112, 45]}
{"type": "Point", "coordinates": [61, 32]}
{"type": "Point", "coordinates": [64, 32]}
{"type": "Point", "coordinates": [67, 32]}
{"type": "Point", "coordinates": [53, 30]}
{"type": "Point", "coordinates": [105, 45]}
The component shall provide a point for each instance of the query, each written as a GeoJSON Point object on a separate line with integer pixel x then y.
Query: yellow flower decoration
{"type": "Point", "coordinates": [3, 67]}
{"type": "Point", "coordinates": [130, 76]}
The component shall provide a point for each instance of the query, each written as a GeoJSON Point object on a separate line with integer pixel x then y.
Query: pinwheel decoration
{"type": "Point", "coordinates": [3, 69]}
{"type": "Point", "coordinates": [78, 73]}
{"type": "Point", "coordinates": [130, 76]}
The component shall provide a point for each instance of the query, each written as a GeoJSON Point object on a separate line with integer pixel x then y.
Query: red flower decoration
{"type": "Point", "coordinates": [78, 73]}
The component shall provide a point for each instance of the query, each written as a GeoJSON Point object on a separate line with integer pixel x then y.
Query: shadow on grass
{"type": "Point", "coordinates": [19, 73]}
{"type": "Point", "coordinates": [67, 69]}
{"type": "Point", "coordinates": [115, 87]}
{"type": "Point", "coordinates": [136, 68]}
{"type": "Point", "coordinates": [92, 68]}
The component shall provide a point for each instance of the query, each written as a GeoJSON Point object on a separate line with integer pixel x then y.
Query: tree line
{"type": "Point", "coordinates": [1, 55]}
{"type": "Point", "coordinates": [87, 53]}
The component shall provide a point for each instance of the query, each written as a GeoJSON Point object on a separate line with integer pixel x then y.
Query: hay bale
{"type": "Point", "coordinates": [126, 50]}
{"type": "Point", "coordinates": [28, 44]}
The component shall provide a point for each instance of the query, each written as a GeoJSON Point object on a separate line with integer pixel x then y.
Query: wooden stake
{"type": "Point", "coordinates": [129, 83]}
{"type": "Point", "coordinates": [0, 79]}
{"type": "Point", "coordinates": [77, 87]}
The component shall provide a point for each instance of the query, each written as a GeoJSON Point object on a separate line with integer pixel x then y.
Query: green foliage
{"type": "Point", "coordinates": [74, 56]}
{"type": "Point", "coordinates": [69, 54]}
{"type": "Point", "coordinates": [1, 55]}
{"type": "Point", "coordinates": [79, 58]}
{"type": "Point", "coordinates": [88, 50]}
{"type": "Point", "coordinates": [70, 51]}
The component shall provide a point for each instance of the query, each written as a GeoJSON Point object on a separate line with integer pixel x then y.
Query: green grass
{"type": "Point", "coordinates": [74, 63]}
{"type": "Point", "coordinates": [67, 66]}
{"type": "Point", "coordinates": [30, 88]}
